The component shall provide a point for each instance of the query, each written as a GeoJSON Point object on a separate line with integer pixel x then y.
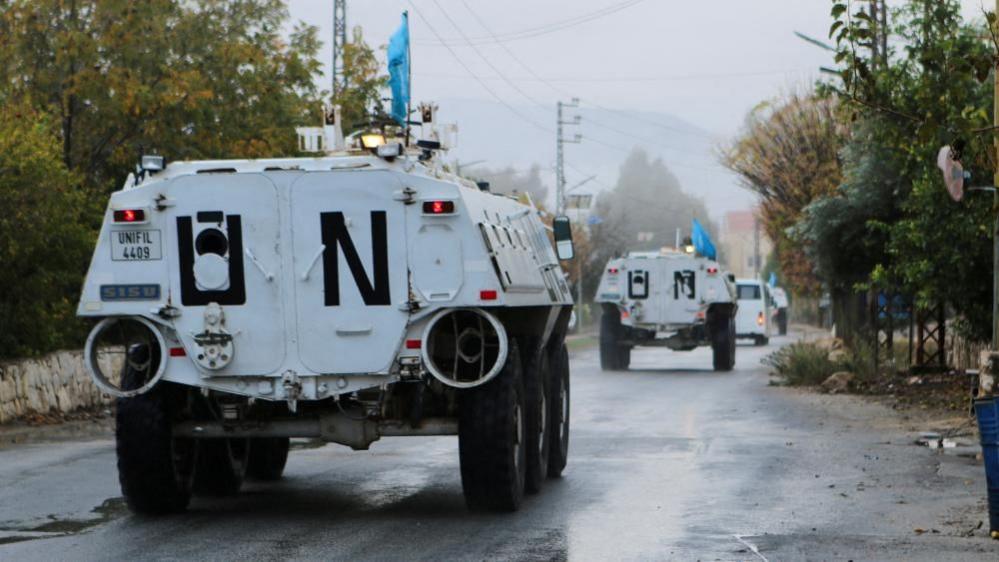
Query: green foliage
{"type": "Point", "coordinates": [45, 242]}
{"type": "Point", "coordinates": [365, 80]}
{"type": "Point", "coordinates": [190, 80]}
{"type": "Point", "coordinates": [802, 364]}
{"type": "Point", "coordinates": [891, 222]}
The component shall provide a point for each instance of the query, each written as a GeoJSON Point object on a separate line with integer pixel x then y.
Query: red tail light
{"type": "Point", "coordinates": [712, 271]}
{"type": "Point", "coordinates": [130, 215]}
{"type": "Point", "coordinates": [760, 319]}
{"type": "Point", "coordinates": [488, 295]}
{"type": "Point", "coordinates": [413, 344]}
{"type": "Point", "coordinates": [613, 271]}
{"type": "Point", "coordinates": [438, 207]}
{"type": "Point", "coordinates": [177, 352]}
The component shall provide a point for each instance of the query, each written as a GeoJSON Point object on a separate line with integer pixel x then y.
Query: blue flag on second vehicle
{"type": "Point", "coordinates": [773, 279]}
{"type": "Point", "coordinates": [398, 67]}
{"type": "Point", "coordinates": [702, 241]}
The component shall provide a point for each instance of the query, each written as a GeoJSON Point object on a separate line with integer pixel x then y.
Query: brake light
{"type": "Point", "coordinates": [488, 295]}
{"type": "Point", "coordinates": [760, 319]}
{"type": "Point", "coordinates": [613, 271]}
{"type": "Point", "coordinates": [712, 271]}
{"type": "Point", "coordinates": [413, 344]}
{"type": "Point", "coordinates": [700, 315]}
{"type": "Point", "coordinates": [130, 215]}
{"type": "Point", "coordinates": [438, 207]}
{"type": "Point", "coordinates": [177, 352]}
{"type": "Point", "coordinates": [624, 315]}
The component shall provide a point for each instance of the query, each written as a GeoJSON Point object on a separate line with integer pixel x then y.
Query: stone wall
{"type": "Point", "coordinates": [57, 382]}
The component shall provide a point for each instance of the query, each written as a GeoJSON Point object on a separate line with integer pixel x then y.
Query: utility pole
{"type": "Point", "coordinates": [995, 207]}
{"type": "Point", "coordinates": [339, 81]}
{"type": "Point", "coordinates": [559, 156]}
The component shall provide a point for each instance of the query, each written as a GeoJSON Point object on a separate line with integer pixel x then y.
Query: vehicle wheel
{"type": "Point", "coordinates": [558, 415]}
{"type": "Point", "coordinates": [155, 469]}
{"type": "Point", "coordinates": [623, 357]}
{"type": "Point", "coordinates": [268, 456]}
{"type": "Point", "coordinates": [760, 341]}
{"type": "Point", "coordinates": [537, 395]}
{"type": "Point", "coordinates": [723, 345]}
{"type": "Point", "coordinates": [613, 356]}
{"type": "Point", "coordinates": [221, 466]}
{"type": "Point", "coordinates": [492, 439]}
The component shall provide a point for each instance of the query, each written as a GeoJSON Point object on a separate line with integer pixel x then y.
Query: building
{"type": "Point", "coordinates": [744, 244]}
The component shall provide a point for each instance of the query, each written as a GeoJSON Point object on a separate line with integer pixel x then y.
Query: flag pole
{"type": "Point", "coordinates": [409, 74]}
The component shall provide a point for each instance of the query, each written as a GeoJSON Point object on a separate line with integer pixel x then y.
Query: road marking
{"type": "Point", "coordinates": [751, 547]}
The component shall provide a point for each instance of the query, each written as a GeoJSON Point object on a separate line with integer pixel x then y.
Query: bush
{"type": "Point", "coordinates": [802, 364]}
{"type": "Point", "coordinates": [45, 240]}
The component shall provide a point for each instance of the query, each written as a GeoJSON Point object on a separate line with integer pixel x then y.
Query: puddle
{"type": "Point", "coordinates": [111, 509]}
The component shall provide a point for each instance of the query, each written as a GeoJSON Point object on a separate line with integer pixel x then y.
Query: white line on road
{"type": "Point", "coordinates": [751, 547]}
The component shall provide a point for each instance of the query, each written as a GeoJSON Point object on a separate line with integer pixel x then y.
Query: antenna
{"type": "Point", "coordinates": [339, 77]}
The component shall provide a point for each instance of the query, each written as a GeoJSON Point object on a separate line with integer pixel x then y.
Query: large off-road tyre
{"type": "Point", "coordinates": [537, 397]}
{"type": "Point", "coordinates": [613, 355]}
{"type": "Point", "coordinates": [268, 456]}
{"type": "Point", "coordinates": [723, 344]}
{"type": "Point", "coordinates": [558, 415]}
{"type": "Point", "coordinates": [492, 439]}
{"type": "Point", "coordinates": [155, 469]}
{"type": "Point", "coordinates": [221, 466]}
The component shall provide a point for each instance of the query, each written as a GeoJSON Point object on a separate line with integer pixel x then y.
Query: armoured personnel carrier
{"type": "Point", "coordinates": [666, 299]}
{"type": "Point", "coordinates": [363, 293]}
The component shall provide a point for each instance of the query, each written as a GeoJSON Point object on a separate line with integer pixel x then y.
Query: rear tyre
{"type": "Point", "coordinates": [268, 456]}
{"type": "Point", "coordinates": [760, 341]}
{"type": "Point", "coordinates": [155, 469]}
{"type": "Point", "coordinates": [221, 466]}
{"type": "Point", "coordinates": [492, 439]}
{"type": "Point", "coordinates": [538, 396]}
{"type": "Point", "coordinates": [558, 415]}
{"type": "Point", "coordinates": [723, 345]}
{"type": "Point", "coordinates": [613, 355]}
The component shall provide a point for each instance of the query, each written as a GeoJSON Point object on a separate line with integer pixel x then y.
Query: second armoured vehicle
{"type": "Point", "coordinates": [671, 299]}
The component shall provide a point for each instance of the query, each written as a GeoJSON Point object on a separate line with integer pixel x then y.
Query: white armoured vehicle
{"type": "Point", "coordinates": [670, 299]}
{"type": "Point", "coordinates": [363, 293]}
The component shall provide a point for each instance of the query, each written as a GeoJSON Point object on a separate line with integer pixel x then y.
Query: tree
{"type": "Point", "coordinates": [509, 181]}
{"type": "Point", "coordinates": [788, 155]}
{"type": "Point", "coordinates": [44, 239]}
{"type": "Point", "coordinates": [190, 80]}
{"type": "Point", "coordinates": [363, 73]}
{"type": "Point", "coordinates": [641, 213]}
{"type": "Point", "coordinates": [902, 230]}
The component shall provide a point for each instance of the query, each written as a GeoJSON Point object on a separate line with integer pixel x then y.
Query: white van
{"type": "Point", "coordinates": [752, 320]}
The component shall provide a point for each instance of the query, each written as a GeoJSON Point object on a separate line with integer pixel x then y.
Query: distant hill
{"type": "Point", "coordinates": [491, 132]}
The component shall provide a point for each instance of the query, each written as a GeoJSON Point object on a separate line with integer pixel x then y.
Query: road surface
{"type": "Point", "coordinates": [668, 462]}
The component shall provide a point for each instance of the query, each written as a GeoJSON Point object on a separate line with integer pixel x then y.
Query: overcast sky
{"type": "Point", "coordinates": [708, 62]}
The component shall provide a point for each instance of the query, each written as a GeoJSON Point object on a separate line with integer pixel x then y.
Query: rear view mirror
{"type": "Point", "coordinates": [563, 238]}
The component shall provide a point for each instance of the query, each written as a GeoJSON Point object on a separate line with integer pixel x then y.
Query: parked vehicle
{"type": "Point", "coordinates": [780, 309]}
{"type": "Point", "coordinates": [752, 320]}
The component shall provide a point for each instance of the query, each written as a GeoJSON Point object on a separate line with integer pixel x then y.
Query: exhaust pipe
{"type": "Point", "coordinates": [125, 356]}
{"type": "Point", "coordinates": [464, 347]}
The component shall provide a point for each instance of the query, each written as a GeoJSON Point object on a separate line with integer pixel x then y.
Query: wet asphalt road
{"type": "Point", "coordinates": [668, 462]}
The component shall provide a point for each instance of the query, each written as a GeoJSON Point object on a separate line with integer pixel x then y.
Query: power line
{"type": "Point", "coordinates": [542, 29]}
{"type": "Point", "coordinates": [472, 74]}
{"type": "Point", "coordinates": [626, 79]}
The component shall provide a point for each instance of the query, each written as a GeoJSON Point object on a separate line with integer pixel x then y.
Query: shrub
{"type": "Point", "coordinates": [45, 240]}
{"type": "Point", "coordinates": [802, 364]}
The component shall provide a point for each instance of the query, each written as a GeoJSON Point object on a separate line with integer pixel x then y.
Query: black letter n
{"type": "Point", "coordinates": [335, 237]}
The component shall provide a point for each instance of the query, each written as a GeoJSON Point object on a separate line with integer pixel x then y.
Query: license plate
{"type": "Point", "coordinates": [136, 245]}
